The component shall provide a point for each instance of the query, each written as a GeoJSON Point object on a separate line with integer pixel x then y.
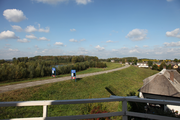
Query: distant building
{"type": "Point", "coordinates": [120, 62]}
{"type": "Point", "coordinates": [112, 60]}
{"type": "Point", "coordinates": [126, 63]}
{"type": "Point", "coordinates": [178, 64]}
{"type": "Point", "coordinates": [164, 85]}
{"type": "Point", "coordinates": [175, 66]}
{"type": "Point", "coordinates": [142, 65]}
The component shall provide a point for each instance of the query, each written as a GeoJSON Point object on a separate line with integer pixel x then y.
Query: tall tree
{"type": "Point", "coordinates": [150, 63]}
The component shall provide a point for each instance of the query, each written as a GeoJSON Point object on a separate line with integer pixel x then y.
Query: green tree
{"type": "Point", "coordinates": [31, 71]}
{"type": "Point", "coordinates": [169, 66]}
{"type": "Point", "coordinates": [38, 71]}
{"type": "Point", "coordinates": [162, 66]}
{"type": "Point", "coordinates": [175, 60]}
{"type": "Point", "coordinates": [135, 62]}
{"type": "Point", "coordinates": [42, 71]}
{"type": "Point", "coordinates": [74, 59]}
{"type": "Point", "coordinates": [108, 60]}
{"type": "Point", "coordinates": [154, 67]}
{"type": "Point", "coordinates": [150, 63]}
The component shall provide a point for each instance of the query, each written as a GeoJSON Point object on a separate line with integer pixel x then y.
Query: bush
{"type": "Point", "coordinates": [154, 67]}
{"type": "Point", "coordinates": [94, 108]}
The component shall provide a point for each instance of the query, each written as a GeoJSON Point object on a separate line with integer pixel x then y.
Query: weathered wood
{"type": "Point", "coordinates": [124, 100]}
{"type": "Point", "coordinates": [44, 111]}
{"type": "Point", "coordinates": [150, 116]}
{"type": "Point", "coordinates": [124, 109]}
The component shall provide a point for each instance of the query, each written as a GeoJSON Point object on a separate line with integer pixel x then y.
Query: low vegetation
{"type": "Point", "coordinates": [88, 70]}
{"type": "Point", "coordinates": [120, 82]}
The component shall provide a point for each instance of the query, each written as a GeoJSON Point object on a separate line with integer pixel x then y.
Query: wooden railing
{"type": "Point", "coordinates": [123, 113]}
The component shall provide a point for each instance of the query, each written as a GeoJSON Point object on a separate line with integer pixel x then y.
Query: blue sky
{"type": "Point", "coordinates": [102, 28]}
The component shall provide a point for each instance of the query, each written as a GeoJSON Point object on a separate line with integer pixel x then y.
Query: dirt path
{"type": "Point", "coordinates": [35, 83]}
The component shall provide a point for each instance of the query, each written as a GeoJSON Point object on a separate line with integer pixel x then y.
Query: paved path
{"type": "Point", "coordinates": [35, 83]}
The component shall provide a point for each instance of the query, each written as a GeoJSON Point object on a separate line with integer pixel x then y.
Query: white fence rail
{"type": "Point", "coordinates": [124, 111]}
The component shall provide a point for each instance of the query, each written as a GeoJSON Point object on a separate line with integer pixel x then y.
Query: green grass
{"type": "Point", "coordinates": [121, 82]}
{"type": "Point", "coordinates": [90, 70]}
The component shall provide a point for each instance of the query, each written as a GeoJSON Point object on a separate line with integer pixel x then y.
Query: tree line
{"type": "Point", "coordinates": [41, 68]}
{"type": "Point", "coordinates": [52, 59]}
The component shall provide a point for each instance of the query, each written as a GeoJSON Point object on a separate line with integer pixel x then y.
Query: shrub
{"type": "Point", "coordinates": [154, 67]}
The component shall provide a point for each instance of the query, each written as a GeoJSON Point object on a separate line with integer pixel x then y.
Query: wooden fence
{"type": "Point", "coordinates": [123, 113]}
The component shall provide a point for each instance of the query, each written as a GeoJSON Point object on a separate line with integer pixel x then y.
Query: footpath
{"type": "Point", "coordinates": [35, 83]}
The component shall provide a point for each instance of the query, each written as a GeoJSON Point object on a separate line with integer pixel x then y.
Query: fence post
{"type": "Point", "coordinates": [44, 111]}
{"type": "Point", "coordinates": [124, 109]}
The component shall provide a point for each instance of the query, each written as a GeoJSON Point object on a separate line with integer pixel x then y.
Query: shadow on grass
{"type": "Point", "coordinates": [113, 91]}
{"type": "Point", "coordinates": [77, 79]}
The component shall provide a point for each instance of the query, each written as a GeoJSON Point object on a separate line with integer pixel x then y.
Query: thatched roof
{"type": "Point", "coordinates": [160, 84]}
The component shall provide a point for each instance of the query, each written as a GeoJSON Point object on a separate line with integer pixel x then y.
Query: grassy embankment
{"type": "Point", "coordinates": [120, 82]}
{"type": "Point", "coordinates": [89, 70]}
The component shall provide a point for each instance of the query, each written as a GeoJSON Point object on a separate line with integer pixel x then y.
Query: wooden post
{"type": "Point", "coordinates": [44, 111]}
{"type": "Point", "coordinates": [124, 109]}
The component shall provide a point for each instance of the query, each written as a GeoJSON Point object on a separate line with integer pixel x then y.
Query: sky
{"type": "Point", "coordinates": [102, 28]}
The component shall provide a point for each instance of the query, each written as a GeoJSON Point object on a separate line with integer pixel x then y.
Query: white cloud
{"type": "Point", "coordinates": [52, 2]}
{"type": "Point", "coordinates": [82, 40]}
{"type": "Point", "coordinates": [82, 51]}
{"type": "Point", "coordinates": [169, 0]}
{"type": "Point", "coordinates": [14, 15]}
{"type": "Point", "coordinates": [99, 48]}
{"type": "Point", "coordinates": [43, 30]}
{"type": "Point", "coordinates": [136, 46]}
{"type": "Point", "coordinates": [43, 39]}
{"type": "Point", "coordinates": [109, 41]}
{"type": "Point", "coordinates": [6, 47]}
{"type": "Point", "coordinates": [7, 44]}
{"type": "Point", "coordinates": [72, 30]}
{"type": "Point", "coordinates": [36, 46]}
{"type": "Point", "coordinates": [115, 31]}
{"type": "Point", "coordinates": [30, 28]}
{"type": "Point", "coordinates": [45, 50]}
{"type": "Point", "coordinates": [145, 46]}
{"type": "Point", "coordinates": [172, 44]}
{"type": "Point", "coordinates": [8, 35]}
{"type": "Point", "coordinates": [137, 34]}
{"type": "Point", "coordinates": [48, 44]}
{"type": "Point", "coordinates": [14, 50]}
{"type": "Point", "coordinates": [73, 40]}
{"type": "Point", "coordinates": [114, 50]}
{"type": "Point", "coordinates": [59, 43]}
{"type": "Point", "coordinates": [83, 1]}
{"type": "Point", "coordinates": [158, 53]}
{"type": "Point", "coordinates": [23, 40]}
{"type": "Point", "coordinates": [17, 28]}
{"type": "Point", "coordinates": [174, 33]}
{"type": "Point", "coordinates": [31, 36]}
{"type": "Point", "coordinates": [134, 51]}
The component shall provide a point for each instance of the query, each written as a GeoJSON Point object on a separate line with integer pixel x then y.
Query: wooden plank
{"type": "Point", "coordinates": [44, 111]}
{"type": "Point", "coordinates": [80, 101]}
{"type": "Point", "coordinates": [35, 118]}
{"type": "Point", "coordinates": [153, 101]}
{"type": "Point", "coordinates": [150, 116]}
{"type": "Point", "coordinates": [124, 109]}
{"type": "Point", "coordinates": [58, 102]}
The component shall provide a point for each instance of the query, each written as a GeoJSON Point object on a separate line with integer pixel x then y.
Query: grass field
{"type": "Point", "coordinates": [120, 82]}
{"type": "Point", "coordinates": [90, 70]}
